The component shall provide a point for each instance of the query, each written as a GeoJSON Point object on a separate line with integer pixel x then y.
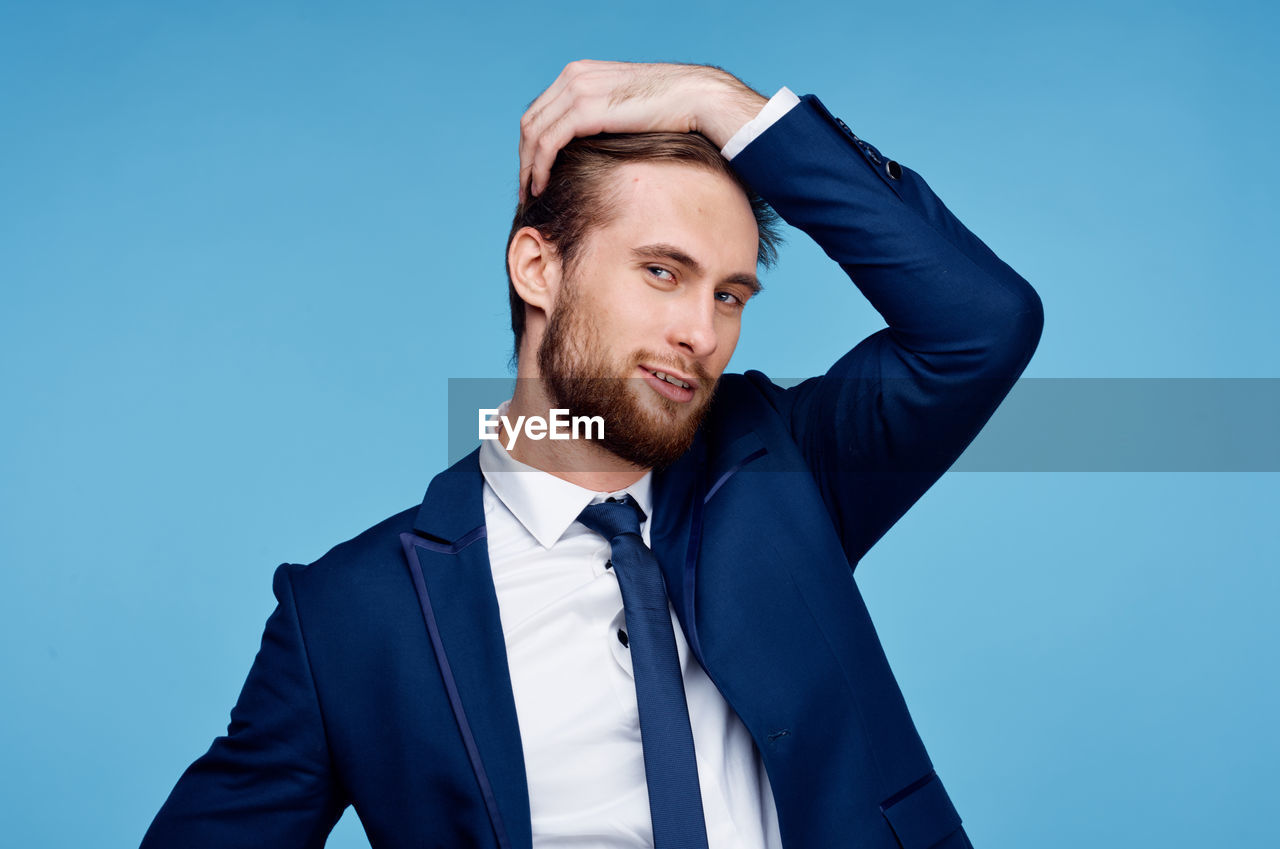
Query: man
{"type": "Point", "coordinates": [651, 637]}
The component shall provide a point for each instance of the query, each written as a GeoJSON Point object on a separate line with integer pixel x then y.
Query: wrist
{"type": "Point", "coordinates": [726, 106]}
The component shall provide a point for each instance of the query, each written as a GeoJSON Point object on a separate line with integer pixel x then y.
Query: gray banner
{"type": "Point", "coordinates": [1061, 424]}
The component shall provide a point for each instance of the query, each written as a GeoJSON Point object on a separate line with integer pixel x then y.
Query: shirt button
{"type": "Point", "coordinates": [608, 564]}
{"type": "Point", "coordinates": [622, 637]}
{"type": "Point", "coordinates": [894, 169]}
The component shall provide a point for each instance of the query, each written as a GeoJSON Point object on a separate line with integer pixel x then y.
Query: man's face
{"type": "Point", "coordinates": [659, 290]}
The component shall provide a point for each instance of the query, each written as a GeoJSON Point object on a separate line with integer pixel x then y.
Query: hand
{"type": "Point", "coordinates": [592, 97]}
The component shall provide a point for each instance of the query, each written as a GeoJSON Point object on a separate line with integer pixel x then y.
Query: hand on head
{"type": "Point", "coordinates": [591, 97]}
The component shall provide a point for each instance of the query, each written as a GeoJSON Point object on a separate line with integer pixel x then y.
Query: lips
{"type": "Point", "coordinates": [670, 384]}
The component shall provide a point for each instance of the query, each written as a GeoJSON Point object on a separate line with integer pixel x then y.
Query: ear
{"type": "Point", "coordinates": [534, 265]}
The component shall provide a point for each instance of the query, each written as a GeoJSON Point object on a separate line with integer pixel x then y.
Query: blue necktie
{"type": "Point", "coordinates": [670, 770]}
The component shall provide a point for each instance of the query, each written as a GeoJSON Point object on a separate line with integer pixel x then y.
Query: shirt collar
{"type": "Point", "coordinates": [545, 504]}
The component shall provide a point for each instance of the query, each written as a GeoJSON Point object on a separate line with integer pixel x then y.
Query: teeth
{"type": "Point", "coordinates": [674, 381]}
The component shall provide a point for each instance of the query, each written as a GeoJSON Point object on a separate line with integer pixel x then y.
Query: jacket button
{"type": "Point", "coordinates": [894, 169]}
{"type": "Point", "coordinates": [622, 637]}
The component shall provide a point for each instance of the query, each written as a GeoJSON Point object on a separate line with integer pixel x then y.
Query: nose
{"type": "Point", "coordinates": [693, 327]}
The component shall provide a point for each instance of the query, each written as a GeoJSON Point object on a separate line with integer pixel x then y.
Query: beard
{"type": "Point", "coordinates": [576, 371]}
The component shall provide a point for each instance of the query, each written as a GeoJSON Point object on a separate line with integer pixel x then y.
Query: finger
{"type": "Point", "coordinates": [587, 103]}
{"type": "Point", "coordinates": [567, 115]}
{"type": "Point", "coordinates": [581, 108]}
{"type": "Point", "coordinates": [566, 75]}
{"type": "Point", "coordinates": [544, 151]}
{"type": "Point", "coordinates": [587, 117]}
{"type": "Point", "coordinates": [536, 115]}
{"type": "Point", "coordinates": [533, 114]}
{"type": "Point", "coordinates": [534, 126]}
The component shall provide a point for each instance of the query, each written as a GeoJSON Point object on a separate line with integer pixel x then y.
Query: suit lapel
{"type": "Point", "coordinates": [681, 494]}
{"type": "Point", "coordinates": [677, 525]}
{"type": "Point", "coordinates": [448, 558]}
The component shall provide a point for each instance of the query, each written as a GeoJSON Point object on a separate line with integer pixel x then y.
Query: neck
{"type": "Point", "coordinates": [578, 461]}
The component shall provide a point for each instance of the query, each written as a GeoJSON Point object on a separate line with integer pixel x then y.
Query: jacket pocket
{"type": "Point", "coordinates": [921, 814]}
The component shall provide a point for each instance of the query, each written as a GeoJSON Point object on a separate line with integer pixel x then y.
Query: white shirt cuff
{"type": "Point", "coordinates": [780, 104]}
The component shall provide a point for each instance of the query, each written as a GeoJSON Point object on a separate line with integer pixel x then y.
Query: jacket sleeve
{"type": "Point", "coordinates": [268, 782]}
{"type": "Point", "coordinates": [883, 424]}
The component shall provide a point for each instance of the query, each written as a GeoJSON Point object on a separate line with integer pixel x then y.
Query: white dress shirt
{"type": "Point", "coordinates": [563, 623]}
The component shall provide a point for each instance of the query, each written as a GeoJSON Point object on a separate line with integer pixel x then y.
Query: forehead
{"type": "Point", "coordinates": [705, 213]}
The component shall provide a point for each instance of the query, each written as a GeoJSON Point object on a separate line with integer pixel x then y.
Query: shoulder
{"type": "Point", "coordinates": [356, 567]}
{"type": "Point", "coordinates": [748, 390]}
{"type": "Point", "coordinates": [753, 400]}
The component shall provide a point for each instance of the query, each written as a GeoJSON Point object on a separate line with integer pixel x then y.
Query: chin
{"type": "Point", "coordinates": [664, 410]}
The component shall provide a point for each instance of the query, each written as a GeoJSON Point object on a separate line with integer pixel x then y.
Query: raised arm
{"type": "Point", "coordinates": [883, 424]}
{"type": "Point", "coordinates": [896, 411]}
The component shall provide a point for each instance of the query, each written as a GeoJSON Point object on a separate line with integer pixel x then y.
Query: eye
{"type": "Point", "coordinates": [730, 298]}
{"type": "Point", "coordinates": [658, 271]}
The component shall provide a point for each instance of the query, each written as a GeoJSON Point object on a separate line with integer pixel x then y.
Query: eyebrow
{"type": "Point", "coordinates": [671, 252]}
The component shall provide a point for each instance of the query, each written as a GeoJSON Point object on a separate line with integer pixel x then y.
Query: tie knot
{"type": "Point", "coordinates": [613, 518]}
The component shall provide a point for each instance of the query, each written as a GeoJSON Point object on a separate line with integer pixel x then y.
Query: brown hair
{"type": "Point", "coordinates": [576, 197]}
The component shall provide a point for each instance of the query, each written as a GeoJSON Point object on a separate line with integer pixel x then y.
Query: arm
{"type": "Point", "coordinates": [883, 424]}
{"type": "Point", "coordinates": [268, 781]}
{"type": "Point", "coordinates": [896, 411]}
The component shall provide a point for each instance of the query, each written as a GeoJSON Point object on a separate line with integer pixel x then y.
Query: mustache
{"type": "Point", "coordinates": [657, 360]}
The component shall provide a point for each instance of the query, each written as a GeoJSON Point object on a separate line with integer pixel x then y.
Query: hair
{"type": "Point", "coordinates": [577, 196]}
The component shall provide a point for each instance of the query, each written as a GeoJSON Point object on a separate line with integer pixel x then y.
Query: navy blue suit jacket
{"type": "Point", "coordinates": [382, 680]}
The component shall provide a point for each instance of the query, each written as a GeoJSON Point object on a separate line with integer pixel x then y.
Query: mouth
{"type": "Point", "coordinates": [668, 384]}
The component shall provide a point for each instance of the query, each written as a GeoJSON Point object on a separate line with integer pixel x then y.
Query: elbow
{"type": "Point", "coordinates": [1028, 323]}
{"type": "Point", "coordinates": [1015, 330]}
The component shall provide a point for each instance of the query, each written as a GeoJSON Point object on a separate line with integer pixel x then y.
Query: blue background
{"type": "Point", "coordinates": [243, 247]}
